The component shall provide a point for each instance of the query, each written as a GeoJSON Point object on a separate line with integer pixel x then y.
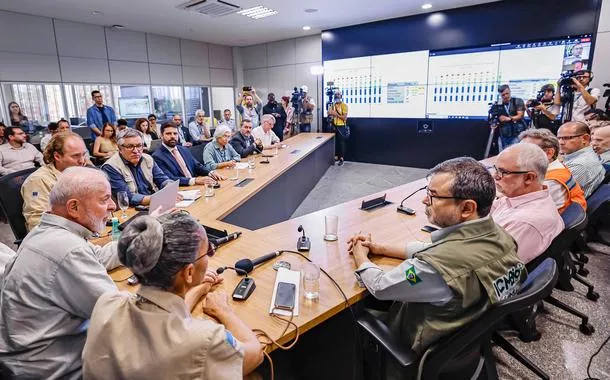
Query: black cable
{"type": "Point", "coordinates": [410, 195]}
{"type": "Point", "coordinates": [591, 359]}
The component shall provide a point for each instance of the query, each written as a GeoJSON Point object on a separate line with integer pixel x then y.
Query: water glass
{"type": "Point", "coordinates": [251, 163]}
{"type": "Point", "coordinates": [123, 202]}
{"type": "Point", "coordinates": [311, 281]}
{"type": "Point", "coordinates": [236, 174]}
{"type": "Point", "coordinates": [331, 226]}
{"type": "Point", "coordinates": [209, 191]}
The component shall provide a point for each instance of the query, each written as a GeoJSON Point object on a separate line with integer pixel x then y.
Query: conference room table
{"type": "Point", "coordinates": [307, 155]}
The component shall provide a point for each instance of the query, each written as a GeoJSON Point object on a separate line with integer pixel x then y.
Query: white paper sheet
{"type": "Point", "coordinates": [291, 277]}
{"type": "Point", "coordinates": [190, 195]}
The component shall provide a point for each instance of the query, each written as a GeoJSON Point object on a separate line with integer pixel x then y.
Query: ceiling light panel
{"type": "Point", "coordinates": [257, 12]}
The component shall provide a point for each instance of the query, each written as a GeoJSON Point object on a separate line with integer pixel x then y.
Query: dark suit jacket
{"type": "Point", "coordinates": [187, 134]}
{"type": "Point", "coordinates": [239, 143]}
{"type": "Point", "coordinates": [166, 161]}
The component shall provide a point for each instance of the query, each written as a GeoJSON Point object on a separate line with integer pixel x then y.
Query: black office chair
{"type": "Point", "coordinates": [459, 356]}
{"type": "Point", "coordinates": [11, 201]}
{"type": "Point", "coordinates": [197, 151]}
{"type": "Point", "coordinates": [575, 221]}
{"type": "Point", "coordinates": [598, 211]}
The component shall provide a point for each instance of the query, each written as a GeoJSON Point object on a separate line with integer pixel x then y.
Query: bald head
{"type": "Point", "coordinates": [573, 136]}
{"type": "Point", "coordinates": [520, 169]}
{"type": "Point", "coordinates": [82, 195]}
{"type": "Point", "coordinates": [600, 141]}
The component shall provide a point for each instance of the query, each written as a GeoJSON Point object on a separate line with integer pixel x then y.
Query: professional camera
{"type": "Point", "coordinates": [297, 97]}
{"type": "Point", "coordinates": [493, 115]}
{"type": "Point", "coordinates": [538, 101]}
{"type": "Point", "coordinates": [566, 84]}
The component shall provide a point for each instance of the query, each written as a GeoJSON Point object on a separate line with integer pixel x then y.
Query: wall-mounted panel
{"type": "Point", "coordinates": [162, 49]}
{"type": "Point", "coordinates": [29, 67]}
{"type": "Point", "coordinates": [75, 39]}
{"type": "Point", "coordinates": [309, 49]}
{"type": "Point", "coordinates": [281, 53]}
{"type": "Point", "coordinates": [194, 75]}
{"type": "Point", "coordinates": [125, 45]}
{"type": "Point", "coordinates": [26, 34]}
{"type": "Point", "coordinates": [165, 74]}
{"type": "Point", "coordinates": [221, 77]}
{"type": "Point", "coordinates": [254, 56]}
{"type": "Point", "coordinates": [129, 72]}
{"type": "Point", "coordinates": [194, 53]}
{"type": "Point", "coordinates": [84, 70]}
{"type": "Point", "coordinates": [221, 57]}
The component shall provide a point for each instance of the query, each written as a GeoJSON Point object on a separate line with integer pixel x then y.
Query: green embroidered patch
{"type": "Point", "coordinates": [412, 276]}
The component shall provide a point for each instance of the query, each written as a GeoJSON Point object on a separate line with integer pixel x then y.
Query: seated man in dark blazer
{"type": "Point", "coordinates": [177, 162]}
{"type": "Point", "coordinates": [244, 143]}
{"type": "Point", "coordinates": [184, 136]}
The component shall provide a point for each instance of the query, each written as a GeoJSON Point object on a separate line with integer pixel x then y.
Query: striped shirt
{"type": "Point", "coordinates": [586, 168]}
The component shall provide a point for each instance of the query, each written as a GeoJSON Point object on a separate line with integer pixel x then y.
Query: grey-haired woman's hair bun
{"type": "Point", "coordinates": [141, 244]}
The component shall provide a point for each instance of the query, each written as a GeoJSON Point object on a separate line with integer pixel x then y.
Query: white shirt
{"type": "Point", "coordinates": [44, 141]}
{"type": "Point", "coordinates": [267, 138]}
{"type": "Point", "coordinates": [581, 106]}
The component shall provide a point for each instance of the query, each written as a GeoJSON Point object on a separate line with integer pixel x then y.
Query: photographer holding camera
{"type": "Point", "coordinates": [585, 97]}
{"type": "Point", "coordinates": [306, 108]}
{"type": "Point", "coordinates": [542, 110]}
{"type": "Point", "coordinates": [510, 117]}
{"type": "Point", "coordinates": [249, 105]}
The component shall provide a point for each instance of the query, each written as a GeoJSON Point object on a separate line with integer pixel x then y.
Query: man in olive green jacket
{"type": "Point", "coordinates": [470, 264]}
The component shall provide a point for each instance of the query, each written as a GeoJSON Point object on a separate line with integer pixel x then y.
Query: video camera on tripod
{"type": "Point", "coordinates": [297, 97]}
{"type": "Point", "coordinates": [607, 95]}
{"type": "Point", "coordinates": [532, 103]}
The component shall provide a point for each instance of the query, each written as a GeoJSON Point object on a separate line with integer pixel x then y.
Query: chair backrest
{"type": "Point", "coordinates": [575, 221]}
{"type": "Point", "coordinates": [599, 197]}
{"type": "Point", "coordinates": [197, 151]}
{"type": "Point", "coordinates": [11, 201]}
{"type": "Point", "coordinates": [538, 285]}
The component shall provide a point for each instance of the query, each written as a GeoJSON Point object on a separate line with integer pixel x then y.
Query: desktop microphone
{"type": "Point", "coordinates": [248, 265]}
{"type": "Point", "coordinates": [218, 241]}
{"type": "Point", "coordinates": [244, 288]}
{"type": "Point", "coordinates": [303, 243]}
{"type": "Point", "coordinates": [407, 210]}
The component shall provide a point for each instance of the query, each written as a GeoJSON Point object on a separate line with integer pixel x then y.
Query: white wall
{"type": "Point", "coordinates": [601, 58]}
{"type": "Point", "coordinates": [280, 66]}
{"type": "Point", "coordinates": [53, 50]}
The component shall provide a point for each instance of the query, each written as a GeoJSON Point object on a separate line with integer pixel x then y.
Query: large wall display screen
{"type": "Point", "coordinates": [457, 83]}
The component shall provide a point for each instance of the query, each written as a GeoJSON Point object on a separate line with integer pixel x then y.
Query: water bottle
{"type": "Point", "coordinates": [116, 233]}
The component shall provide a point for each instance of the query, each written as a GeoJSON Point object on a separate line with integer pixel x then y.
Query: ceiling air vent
{"type": "Point", "coordinates": [213, 8]}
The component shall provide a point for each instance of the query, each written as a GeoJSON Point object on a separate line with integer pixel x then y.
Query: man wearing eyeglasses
{"type": "Point", "coordinates": [133, 171]}
{"type": "Point", "coordinates": [470, 264]}
{"type": "Point", "coordinates": [578, 155]}
{"type": "Point", "coordinates": [585, 97]}
{"type": "Point", "coordinates": [526, 211]}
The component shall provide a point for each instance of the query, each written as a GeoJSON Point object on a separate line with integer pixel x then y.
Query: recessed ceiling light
{"type": "Point", "coordinates": [311, 10]}
{"type": "Point", "coordinates": [257, 12]}
{"type": "Point", "coordinates": [426, 6]}
{"type": "Point", "coordinates": [96, 13]}
{"type": "Point", "coordinates": [307, 27]}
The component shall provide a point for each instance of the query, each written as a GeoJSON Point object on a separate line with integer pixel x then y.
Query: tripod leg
{"type": "Point", "coordinates": [489, 141]}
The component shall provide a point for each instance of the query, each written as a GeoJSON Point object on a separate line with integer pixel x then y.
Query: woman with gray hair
{"type": "Point", "coordinates": [152, 334]}
{"type": "Point", "coordinates": [219, 153]}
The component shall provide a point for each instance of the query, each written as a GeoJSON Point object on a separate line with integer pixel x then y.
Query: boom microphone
{"type": "Point", "coordinates": [226, 239]}
{"type": "Point", "coordinates": [248, 265]}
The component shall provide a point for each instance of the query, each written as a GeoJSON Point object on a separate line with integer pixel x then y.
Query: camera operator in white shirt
{"type": "Point", "coordinates": [585, 97]}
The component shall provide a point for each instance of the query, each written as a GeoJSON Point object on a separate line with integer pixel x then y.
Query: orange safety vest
{"type": "Point", "coordinates": [575, 192]}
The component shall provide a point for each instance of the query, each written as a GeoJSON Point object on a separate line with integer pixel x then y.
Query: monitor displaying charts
{"type": "Point", "coordinates": [456, 83]}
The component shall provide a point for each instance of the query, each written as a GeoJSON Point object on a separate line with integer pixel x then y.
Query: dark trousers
{"type": "Point", "coordinates": [339, 145]}
{"type": "Point", "coordinates": [305, 127]}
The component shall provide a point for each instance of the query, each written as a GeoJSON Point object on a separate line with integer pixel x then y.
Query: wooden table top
{"type": "Point", "coordinates": [385, 224]}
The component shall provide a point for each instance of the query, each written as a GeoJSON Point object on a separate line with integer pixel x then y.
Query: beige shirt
{"type": "Point", "coordinates": [267, 138]}
{"type": "Point", "coordinates": [35, 192]}
{"type": "Point", "coordinates": [15, 159]}
{"type": "Point", "coordinates": [152, 335]}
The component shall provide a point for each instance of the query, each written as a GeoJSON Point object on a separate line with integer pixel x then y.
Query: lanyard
{"type": "Point", "coordinates": [507, 108]}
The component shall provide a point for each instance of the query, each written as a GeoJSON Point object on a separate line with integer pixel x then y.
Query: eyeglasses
{"type": "Point", "coordinates": [430, 196]}
{"type": "Point", "coordinates": [499, 173]}
{"type": "Point", "coordinates": [566, 138]}
{"type": "Point", "coordinates": [133, 146]}
{"type": "Point", "coordinates": [579, 77]}
{"type": "Point", "coordinates": [210, 253]}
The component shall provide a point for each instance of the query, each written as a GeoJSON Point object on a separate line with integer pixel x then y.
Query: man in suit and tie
{"type": "Point", "coordinates": [184, 136]}
{"type": "Point", "coordinates": [177, 162]}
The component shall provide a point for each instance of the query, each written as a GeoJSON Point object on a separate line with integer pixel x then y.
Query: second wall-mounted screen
{"type": "Point", "coordinates": [457, 83]}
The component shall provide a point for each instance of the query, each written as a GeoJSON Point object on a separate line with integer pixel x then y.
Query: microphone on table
{"type": "Point", "coordinates": [407, 210]}
{"type": "Point", "coordinates": [303, 243]}
{"type": "Point", "coordinates": [218, 241]}
{"type": "Point", "coordinates": [240, 272]}
{"type": "Point", "coordinates": [248, 265]}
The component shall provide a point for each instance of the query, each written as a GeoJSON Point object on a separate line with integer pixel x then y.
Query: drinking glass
{"type": "Point", "coordinates": [236, 174]}
{"type": "Point", "coordinates": [331, 226]}
{"type": "Point", "coordinates": [251, 163]}
{"type": "Point", "coordinates": [123, 201]}
{"type": "Point", "coordinates": [209, 190]}
{"type": "Point", "coordinates": [311, 281]}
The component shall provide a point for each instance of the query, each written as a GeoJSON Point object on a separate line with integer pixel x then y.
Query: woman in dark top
{"type": "Point", "coordinates": [18, 119]}
{"type": "Point", "coordinates": [148, 132]}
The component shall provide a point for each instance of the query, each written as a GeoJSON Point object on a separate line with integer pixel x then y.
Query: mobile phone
{"type": "Point", "coordinates": [284, 296]}
{"type": "Point", "coordinates": [216, 185]}
{"type": "Point", "coordinates": [247, 88]}
{"type": "Point", "coordinates": [429, 229]}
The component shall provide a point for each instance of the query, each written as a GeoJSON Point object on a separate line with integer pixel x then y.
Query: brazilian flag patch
{"type": "Point", "coordinates": [412, 276]}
